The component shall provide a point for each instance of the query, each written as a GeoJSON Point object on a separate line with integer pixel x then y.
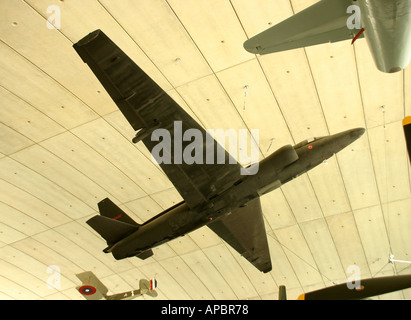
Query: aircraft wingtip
{"type": "Point", "coordinates": [406, 121]}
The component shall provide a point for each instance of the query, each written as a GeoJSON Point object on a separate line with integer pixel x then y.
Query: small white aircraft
{"type": "Point", "coordinates": [93, 289]}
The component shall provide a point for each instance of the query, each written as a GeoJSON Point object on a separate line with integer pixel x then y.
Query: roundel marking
{"type": "Point", "coordinates": [87, 290]}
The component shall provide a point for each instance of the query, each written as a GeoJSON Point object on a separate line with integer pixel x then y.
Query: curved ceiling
{"type": "Point", "coordinates": [64, 146]}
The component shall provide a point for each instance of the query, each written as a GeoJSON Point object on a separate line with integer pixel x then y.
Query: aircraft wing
{"type": "Point", "coordinates": [92, 288]}
{"type": "Point", "coordinates": [244, 230]}
{"type": "Point", "coordinates": [325, 21]}
{"type": "Point", "coordinates": [148, 287]}
{"type": "Point", "coordinates": [147, 107]}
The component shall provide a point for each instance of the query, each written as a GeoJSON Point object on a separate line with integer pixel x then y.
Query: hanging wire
{"type": "Point", "coordinates": [303, 260]}
{"type": "Point", "coordinates": [386, 187]}
{"type": "Point", "coordinates": [391, 261]}
{"type": "Point", "coordinates": [271, 143]}
{"type": "Point", "coordinates": [245, 95]}
{"type": "Point", "coordinates": [374, 275]}
{"type": "Point", "coordinates": [386, 171]}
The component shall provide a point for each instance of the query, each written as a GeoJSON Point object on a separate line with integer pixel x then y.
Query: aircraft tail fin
{"type": "Point", "coordinates": [108, 209]}
{"type": "Point", "coordinates": [148, 287]}
{"type": "Point", "coordinates": [113, 224]}
{"type": "Point", "coordinates": [111, 230]}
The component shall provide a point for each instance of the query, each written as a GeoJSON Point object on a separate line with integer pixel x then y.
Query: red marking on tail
{"type": "Point", "coordinates": [358, 35]}
{"type": "Point", "coordinates": [118, 217]}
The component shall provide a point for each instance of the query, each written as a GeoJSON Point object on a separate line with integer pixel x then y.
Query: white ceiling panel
{"type": "Point", "coordinates": [149, 24]}
{"type": "Point", "coordinates": [299, 254]}
{"type": "Point", "coordinates": [290, 78]}
{"type": "Point", "coordinates": [344, 233]}
{"type": "Point", "coordinates": [65, 146]}
{"type": "Point", "coordinates": [24, 79]}
{"type": "Point", "coordinates": [319, 238]}
{"type": "Point", "coordinates": [11, 140]}
{"type": "Point", "coordinates": [224, 48]}
{"type": "Point", "coordinates": [30, 122]}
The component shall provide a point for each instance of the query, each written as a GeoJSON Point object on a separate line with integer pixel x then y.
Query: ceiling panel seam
{"type": "Point", "coordinates": [271, 232]}
{"type": "Point", "coordinates": [72, 166]}
{"type": "Point", "coordinates": [25, 147]}
{"type": "Point", "coordinates": [52, 182]}
{"type": "Point", "coordinates": [368, 142]}
{"type": "Point", "coordinates": [109, 161]}
{"type": "Point", "coordinates": [284, 248]}
{"type": "Point", "coordinates": [193, 272]}
{"type": "Point", "coordinates": [31, 105]}
{"type": "Point", "coordinates": [129, 140]}
{"type": "Point", "coordinates": [316, 268]}
{"type": "Point", "coordinates": [9, 261]}
{"type": "Point", "coordinates": [216, 77]}
{"type": "Point", "coordinates": [21, 286]}
{"type": "Point", "coordinates": [53, 79]}
{"type": "Point", "coordinates": [45, 19]}
{"type": "Point", "coordinates": [41, 200]}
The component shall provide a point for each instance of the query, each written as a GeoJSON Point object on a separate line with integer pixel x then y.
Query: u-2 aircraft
{"type": "Point", "coordinates": [385, 24]}
{"type": "Point", "coordinates": [217, 195]}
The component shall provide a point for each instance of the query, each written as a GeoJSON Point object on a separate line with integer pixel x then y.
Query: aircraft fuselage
{"type": "Point", "coordinates": [387, 27]}
{"type": "Point", "coordinates": [280, 167]}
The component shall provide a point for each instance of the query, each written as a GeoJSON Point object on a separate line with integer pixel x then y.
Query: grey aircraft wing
{"type": "Point", "coordinates": [325, 21]}
{"type": "Point", "coordinates": [244, 230]}
{"type": "Point", "coordinates": [148, 107]}
{"type": "Point", "coordinates": [88, 277]}
{"type": "Point", "coordinates": [92, 288]}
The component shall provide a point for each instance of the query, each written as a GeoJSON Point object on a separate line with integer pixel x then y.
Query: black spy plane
{"type": "Point", "coordinates": [218, 195]}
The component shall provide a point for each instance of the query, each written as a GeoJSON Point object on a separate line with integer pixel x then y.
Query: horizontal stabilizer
{"type": "Point", "coordinates": [111, 230]}
{"type": "Point", "coordinates": [108, 209]}
{"type": "Point", "coordinates": [145, 254]}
